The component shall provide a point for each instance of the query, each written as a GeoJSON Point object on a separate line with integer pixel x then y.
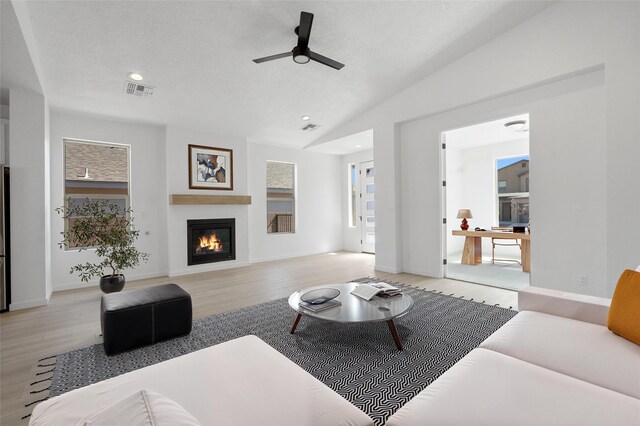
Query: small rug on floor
{"type": "Point", "coordinates": [358, 361]}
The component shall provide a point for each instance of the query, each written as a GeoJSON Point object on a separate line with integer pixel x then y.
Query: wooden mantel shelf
{"type": "Point", "coordinates": [188, 199]}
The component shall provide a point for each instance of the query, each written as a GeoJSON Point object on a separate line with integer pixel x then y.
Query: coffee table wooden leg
{"type": "Point", "coordinates": [394, 333]}
{"type": "Point", "coordinates": [295, 323]}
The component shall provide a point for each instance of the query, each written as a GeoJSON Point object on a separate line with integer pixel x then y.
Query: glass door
{"type": "Point", "coordinates": [368, 218]}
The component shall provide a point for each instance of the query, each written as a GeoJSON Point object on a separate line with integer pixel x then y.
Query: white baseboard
{"type": "Point", "coordinates": [34, 303]}
{"type": "Point", "coordinates": [423, 272]}
{"type": "Point", "coordinates": [75, 285]}
{"type": "Point", "coordinates": [94, 283]}
{"type": "Point", "coordinates": [310, 253]}
{"type": "Point", "coordinates": [145, 276]}
{"type": "Point", "coordinates": [208, 268]}
{"type": "Point", "coordinates": [389, 269]}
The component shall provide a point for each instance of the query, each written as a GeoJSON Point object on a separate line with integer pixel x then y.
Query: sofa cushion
{"type": "Point", "coordinates": [489, 388]}
{"type": "Point", "coordinates": [240, 382]}
{"type": "Point", "coordinates": [624, 312]}
{"type": "Point", "coordinates": [579, 349]}
{"type": "Point", "coordinates": [143, 408]}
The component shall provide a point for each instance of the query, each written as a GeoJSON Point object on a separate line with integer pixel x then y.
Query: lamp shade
{"type": "Point", "coordinates": [464, 214]}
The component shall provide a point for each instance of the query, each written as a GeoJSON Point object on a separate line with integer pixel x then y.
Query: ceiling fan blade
{"type": "Point", "coordinates": [272, 57]}
{"type": "Point", "coordinates": [325, 61]}
{"type": "Point", "coordinates": [304, 30]}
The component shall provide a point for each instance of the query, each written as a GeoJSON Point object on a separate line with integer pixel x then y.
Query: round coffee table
{"type": "Point", "coordinates": [355, 309]}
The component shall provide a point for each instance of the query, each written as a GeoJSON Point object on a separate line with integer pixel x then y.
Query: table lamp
{"type": "Point", "coordinates": [464, 214]}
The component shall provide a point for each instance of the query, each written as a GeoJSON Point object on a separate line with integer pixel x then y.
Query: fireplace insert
{"type": "Point", "coordinates": [210, 240]}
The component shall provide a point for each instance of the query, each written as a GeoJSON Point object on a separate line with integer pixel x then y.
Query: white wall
{"type": "Point", "coordinates": [573, 101]}
{"type": "Point", "coordinates": [30, 284]}
{"type": "Point", "coordinates": [351, 236]}
{"type": "Point", "coordinates": [622, 130]}
{"type": "Point", "coordinates": [148, 192]}
{"type": "Point", "coordinates": [389, 224]}
{"type": "Point", "coordinates": [421, 193]}
{"type": "Point", "coordinates": [319, 218]}
{"type": "Point", "coordinates": [177, 164]}
{"type": "Point", "coordinates": [454, 168]}
{"type": "Point", "coordinates": [159, 165]}
{"type": "Point", "coordinates": [568, 189]}
{"type": "Point", "coordinates": [47, 203]}
{"type": "Point", "coordinates": [564, 41]}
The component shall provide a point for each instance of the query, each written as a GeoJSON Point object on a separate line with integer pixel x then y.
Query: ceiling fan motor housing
{"type": "Point", "coordinates": [301, 53]}
{"type": "Point", "coordinates": [300, 56]}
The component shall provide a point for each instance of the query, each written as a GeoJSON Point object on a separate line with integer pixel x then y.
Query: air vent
{"type": "Point", "coordinates": [137, 89]}
{"type": "Point", "coordinates": [310, 127]}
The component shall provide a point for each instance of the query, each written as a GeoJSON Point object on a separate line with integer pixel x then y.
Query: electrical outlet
{"type": "Point", "coordinates": [583, 280]}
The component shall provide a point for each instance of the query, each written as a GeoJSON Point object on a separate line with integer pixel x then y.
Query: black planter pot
{"type": "Point", "coordinates": [109, 284]}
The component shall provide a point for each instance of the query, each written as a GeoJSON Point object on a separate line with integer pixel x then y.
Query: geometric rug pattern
{"type": "Point", "coordinates": [358, 361]}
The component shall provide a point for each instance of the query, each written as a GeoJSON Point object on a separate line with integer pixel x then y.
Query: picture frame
{"type": "Point", "coordinates": [210, 168]}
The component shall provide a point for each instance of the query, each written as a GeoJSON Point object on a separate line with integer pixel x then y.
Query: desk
{"type": "Point", "coordinates": [472, 253]}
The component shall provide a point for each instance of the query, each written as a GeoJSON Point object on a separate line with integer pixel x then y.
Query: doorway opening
{"type": "Point", "coordinates": [486, 169]}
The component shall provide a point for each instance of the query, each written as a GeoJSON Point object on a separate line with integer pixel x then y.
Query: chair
{"type": "Point", "coordinates": [497, 241]}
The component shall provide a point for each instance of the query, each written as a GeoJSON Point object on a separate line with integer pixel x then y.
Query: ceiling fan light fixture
{"type": "Point", "coordinates": [301, 53]}
{"type": "Point", "coordinates": [301, 57]}
{"type": "Point", "coordinates": [516, 125]}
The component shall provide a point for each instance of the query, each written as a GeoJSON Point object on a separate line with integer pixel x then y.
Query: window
{"type": "Point", "coordinates": [96, 171]}
{"type": "Point", "coordinates": [513, 191]}
{"type": "Point", "coordinates": [280, 197]}
{"type": "Point", "coordinates": [352, 171]}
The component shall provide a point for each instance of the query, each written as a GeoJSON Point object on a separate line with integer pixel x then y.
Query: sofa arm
{"type": "Point", "coordinates": [569, 305]}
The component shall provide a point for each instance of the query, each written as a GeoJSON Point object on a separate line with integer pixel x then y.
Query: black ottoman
{"type": "Point", "coordinates": [140, 317]}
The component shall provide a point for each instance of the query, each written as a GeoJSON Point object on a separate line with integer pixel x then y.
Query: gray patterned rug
{"type": "Point", "coordinates": [358, 361]}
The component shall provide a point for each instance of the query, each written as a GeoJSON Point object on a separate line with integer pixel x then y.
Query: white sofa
{"type": "Point", "coordinates": [554, 363]}
{"type": "Point", "coordinates": [240, 382]}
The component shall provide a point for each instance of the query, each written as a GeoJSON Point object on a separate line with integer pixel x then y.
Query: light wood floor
{"type": "Point", "coordinates": [71, 320]}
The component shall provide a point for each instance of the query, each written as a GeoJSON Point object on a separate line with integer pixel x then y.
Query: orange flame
{"type": "Point", "coordinates": [210, 242]}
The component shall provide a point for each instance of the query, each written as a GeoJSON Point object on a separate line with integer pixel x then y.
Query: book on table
{"type": "Point", "coordinates": [318, 307]}
{"type": "Point", "coordinates": [367, 291]}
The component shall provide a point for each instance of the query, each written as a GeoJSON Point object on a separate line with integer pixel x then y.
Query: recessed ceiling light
{"type": "Point", "coordinates": [358, 146]}
{"type": "Point", "coordinates": [516, 126]}
{"type": "Point", "coordinates": [306, 118]}
{"type": "Point", "coordinates": [135, 76]}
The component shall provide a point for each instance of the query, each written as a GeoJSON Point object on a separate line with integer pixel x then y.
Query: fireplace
{"type": "Point", "coordinates": [210, 240]}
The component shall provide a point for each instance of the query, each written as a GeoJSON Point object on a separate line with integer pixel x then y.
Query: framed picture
{"type": "Point", "coordinates": [210, 167]}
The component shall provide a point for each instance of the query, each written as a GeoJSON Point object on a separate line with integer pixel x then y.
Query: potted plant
{"type": "Point", "coordinates": [107, 228]}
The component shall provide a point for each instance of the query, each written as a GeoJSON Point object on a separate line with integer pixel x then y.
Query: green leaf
{"type": "Point", "coordinates": [101, 225]}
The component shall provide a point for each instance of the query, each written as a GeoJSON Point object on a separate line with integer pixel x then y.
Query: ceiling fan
{"type": "Point", "coordinates": [301, 52]}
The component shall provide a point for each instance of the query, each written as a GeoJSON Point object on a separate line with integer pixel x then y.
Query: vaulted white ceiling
{"type": "Point", "coordinates": [198, 55]}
